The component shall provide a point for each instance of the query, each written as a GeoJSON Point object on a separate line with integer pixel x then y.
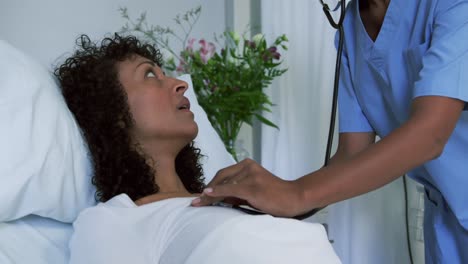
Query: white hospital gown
{"type": "Point", "coordinates": [171, 231]}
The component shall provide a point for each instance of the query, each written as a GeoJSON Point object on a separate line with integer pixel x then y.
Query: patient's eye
{"type": "Point", "coordinates": [150, 74]}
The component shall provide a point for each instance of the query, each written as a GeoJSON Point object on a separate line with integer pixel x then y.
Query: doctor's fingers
{"type": "Point", "coordinates": [209, 197]}
{"type": "Point", "coordinates": [232, 192]}
{"type": "Point", "coordinates": [235, 175]}
{"type": "Point", "coordinates": [242, 184]}
{"type": "Point", "coordinates": [224, 176]}
{"type": "Point", "coordinates": [262, 190]}
{"type": "Point", "coordinates": [224, 192]}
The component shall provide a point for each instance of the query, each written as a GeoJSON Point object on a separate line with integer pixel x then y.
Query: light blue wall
{"type": "Point", "coordinates": [47, 29]}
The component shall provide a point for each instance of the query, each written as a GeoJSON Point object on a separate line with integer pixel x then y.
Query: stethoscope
{"type": "Point", "coordinates": [339, 26]}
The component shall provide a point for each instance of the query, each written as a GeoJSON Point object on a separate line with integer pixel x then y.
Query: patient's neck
{"type": "Point", "coordinates": [166, 176]}
{"type": "Point", "coordinates": [163, 155]}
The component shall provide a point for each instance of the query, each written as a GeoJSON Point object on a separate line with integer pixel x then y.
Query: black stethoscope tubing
{"type": "Point", "coordinates": [339, 27]}
{"type": "Point", "coordinates": [331, 131]}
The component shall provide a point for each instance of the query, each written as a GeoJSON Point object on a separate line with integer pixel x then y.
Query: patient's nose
{"type": "Point", "coordinates": [180, 87]}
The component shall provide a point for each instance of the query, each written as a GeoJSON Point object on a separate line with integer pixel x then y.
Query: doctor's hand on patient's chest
{"type": "Point", "coordinates": [248, 181]}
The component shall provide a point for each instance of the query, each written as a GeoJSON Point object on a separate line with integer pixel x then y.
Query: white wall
{"type": "Point", "coordinates": [47, 29]}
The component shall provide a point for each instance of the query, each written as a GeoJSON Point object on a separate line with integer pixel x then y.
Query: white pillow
{"type": "Point", "coordinates": [44, 166]}
{"type": "Point", "coordinates": [208, 141]}
{"type": "Point", "coordinates": [44, 163]}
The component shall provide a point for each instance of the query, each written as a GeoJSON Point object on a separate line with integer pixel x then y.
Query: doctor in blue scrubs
{"type": "Point", "coordinates": [404, 77]}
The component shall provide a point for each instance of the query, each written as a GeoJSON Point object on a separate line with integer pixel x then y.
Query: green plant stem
{"type": "Point", "coordinates": [229, 85]}
{"type": "Point", "coordinates": [190, 30]}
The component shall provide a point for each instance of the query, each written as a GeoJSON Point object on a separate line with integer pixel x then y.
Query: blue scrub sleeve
{"type": "Point", "coordinates": [351, 116]}
{"type": "Point", "coordinates": [444, 69]}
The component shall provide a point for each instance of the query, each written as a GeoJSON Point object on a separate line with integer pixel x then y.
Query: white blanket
{"type": "Point", "coordinates": [34, 239]}
{"type": "Point", "coordinates": [171, 231]}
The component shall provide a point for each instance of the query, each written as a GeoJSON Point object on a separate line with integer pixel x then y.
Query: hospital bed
{"type": "Point", "coordinates": [45, 172]}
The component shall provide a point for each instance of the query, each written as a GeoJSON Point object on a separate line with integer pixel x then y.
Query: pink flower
{"type": "Point", "coordinates": [181, 67]}
{"type": "Point", "coordinates": [274, 53]}
{"type": "Point", "coordinates": [202, 42]}
{"type": "Point", "coordinates": [250, 44]}
{"type": "Point", "coordinates": [207, 50]}
{"type": "Point", "coordinates": [276, 56]}
{"type": "Point", "coordinates": [190, 44]}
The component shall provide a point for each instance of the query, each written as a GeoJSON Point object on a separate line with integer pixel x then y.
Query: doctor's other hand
{"type": "Point", "coordinates": [248, 181]}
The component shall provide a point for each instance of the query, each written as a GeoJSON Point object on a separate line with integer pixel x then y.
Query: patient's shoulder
{"type": "Point", "coordinates": [105, 210]}
{"type": "Point", "coordinates": [162, 196]}
{"type": "Point", "coordinates": [121, 200]}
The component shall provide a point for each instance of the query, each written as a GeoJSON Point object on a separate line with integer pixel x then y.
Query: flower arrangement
{"type": "Point", "coordinates": [228, 81]}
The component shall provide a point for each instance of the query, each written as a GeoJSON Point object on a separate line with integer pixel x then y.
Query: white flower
{"type": "Point", "coordinates": [235, 37]}
{"type": "Point", "coordinates": [257, 38]}
{"type": "Point", "coordinates": [166, 55]}
{"type": "Point", "coordinates": [232, 60]}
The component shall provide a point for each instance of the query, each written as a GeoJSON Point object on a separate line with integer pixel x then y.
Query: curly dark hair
{"type": "Point", "coordinates": [91, 87]}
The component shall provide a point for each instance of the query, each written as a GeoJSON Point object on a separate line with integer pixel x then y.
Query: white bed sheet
{"type": "Point", "coordinates": [34, 240]}
{"type": "Point", "coordinates": [172, 232]}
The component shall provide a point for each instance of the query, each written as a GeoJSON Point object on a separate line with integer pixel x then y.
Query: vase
{"type": "Point", "coordinates": [237, 150]}
{"type": "Point", "coordinates": [241, 152]}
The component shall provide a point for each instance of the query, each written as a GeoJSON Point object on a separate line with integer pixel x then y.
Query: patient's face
{"type": "Point", "coordinates": [157, 102]}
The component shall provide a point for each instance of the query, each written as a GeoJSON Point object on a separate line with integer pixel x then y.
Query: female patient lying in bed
{"type": "Point", "coordinates": [140, 132]}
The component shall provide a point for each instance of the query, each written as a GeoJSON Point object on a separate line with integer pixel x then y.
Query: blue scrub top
{"type": "Point", "coordinates": [422, 49]}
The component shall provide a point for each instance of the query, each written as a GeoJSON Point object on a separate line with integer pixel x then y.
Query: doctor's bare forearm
{"type": "Point", "coordinates": [350, 144]}
{"type": "Point", "coordinates": [417, 141]}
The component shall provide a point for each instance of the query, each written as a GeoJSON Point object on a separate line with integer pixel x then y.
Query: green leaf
{"type": "Point", "coordinates": [230, 85]}
{"type": "Point", "coordinates": [265, 121]}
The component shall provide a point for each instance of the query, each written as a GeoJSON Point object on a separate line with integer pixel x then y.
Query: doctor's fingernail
{"type": "Point", "coordinates": [208, 190]}
{"type": "Point", "coordinates": [196, 201]}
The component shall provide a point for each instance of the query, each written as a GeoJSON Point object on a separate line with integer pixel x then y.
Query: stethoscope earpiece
{"type": "Point", "coordinates": [326, 9]}
{"type": "Point", "coordinates": [338, 3]}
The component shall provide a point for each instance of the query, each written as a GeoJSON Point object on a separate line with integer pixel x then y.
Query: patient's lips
{"type": "Point", "coordinates": [184, 105]}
